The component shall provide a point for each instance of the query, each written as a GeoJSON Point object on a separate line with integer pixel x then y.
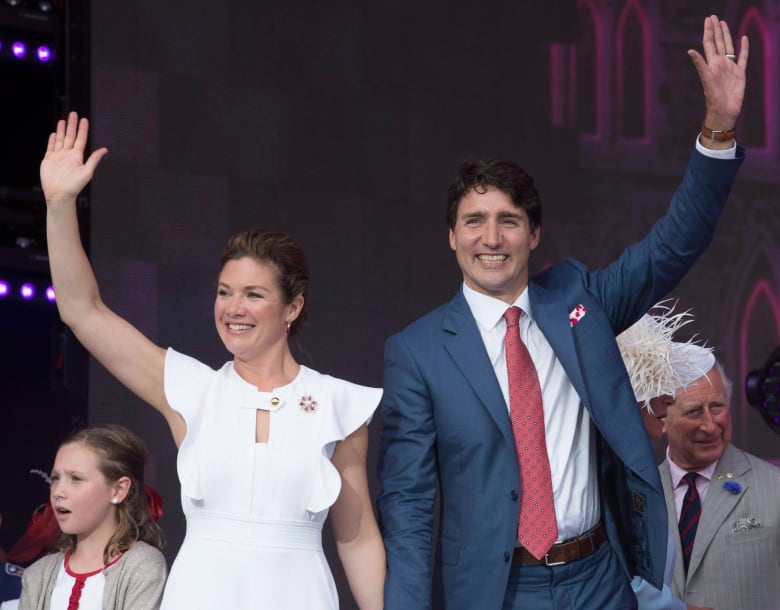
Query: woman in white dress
{"type": "Point", "coordinates": [267, 447]}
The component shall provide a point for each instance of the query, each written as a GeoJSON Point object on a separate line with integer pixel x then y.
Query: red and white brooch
{"type": "Point", "coordinates": [307, 404]}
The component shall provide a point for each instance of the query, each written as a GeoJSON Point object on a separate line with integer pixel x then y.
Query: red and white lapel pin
{"type": "Point", "coordinates": [577, 314]}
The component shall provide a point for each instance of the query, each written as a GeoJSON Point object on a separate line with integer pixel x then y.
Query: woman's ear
{"type": "Point", "coordinates": [294, 309]}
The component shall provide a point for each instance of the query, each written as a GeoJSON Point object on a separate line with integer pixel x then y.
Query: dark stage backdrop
{"type": "Point", "coordinates": [343, 124]}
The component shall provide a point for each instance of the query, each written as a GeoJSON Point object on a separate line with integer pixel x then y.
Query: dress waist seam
{"type": "Point", "coordinates": [253, 531]}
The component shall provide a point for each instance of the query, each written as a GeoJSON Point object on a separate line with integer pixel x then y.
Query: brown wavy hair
{"type": "Point", "coordinates": [120, 454]}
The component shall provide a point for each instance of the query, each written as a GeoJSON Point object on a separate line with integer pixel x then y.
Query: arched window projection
{"type": "Point", "coordinates": [755, 109]}
{"type": "Point", "coordinates": [562, 86]}
{"type": "Point", "coordinates": [588, 76]}
{"type": "Point", "coordinates": [761, 317]}
{"type": "Point", "coordinates": [632, 70]}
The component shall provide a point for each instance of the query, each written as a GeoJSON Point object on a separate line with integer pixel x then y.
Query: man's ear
{"type": "Point", "coordinates": [536, 236]}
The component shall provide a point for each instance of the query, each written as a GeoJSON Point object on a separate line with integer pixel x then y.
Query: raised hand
{"type": "Point", "coordinates": [722, 74]}
{"type": "Point", "coordinates": [64, 173]}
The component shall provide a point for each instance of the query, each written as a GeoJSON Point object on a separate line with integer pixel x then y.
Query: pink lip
{"type": "Point", "coordinates": [709, 442]}
{"type": "Point", "coordinates": [251, 326]}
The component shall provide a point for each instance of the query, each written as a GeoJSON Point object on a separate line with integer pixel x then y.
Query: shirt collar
{"type": "Point", "coordinates": [678, 473]}
{"type": "Point", "coordinates": [489, 311]}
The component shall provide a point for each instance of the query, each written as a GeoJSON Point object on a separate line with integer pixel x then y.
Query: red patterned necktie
{"type": "Point", "coordinates": [537, 528]}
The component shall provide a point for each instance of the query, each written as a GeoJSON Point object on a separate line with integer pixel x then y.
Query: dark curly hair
{"type": "Point", "coordinates": [507, 177]}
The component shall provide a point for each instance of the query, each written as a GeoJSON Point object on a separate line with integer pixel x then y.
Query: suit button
{"type": "Point", "coordinates": [507, 556]}
{"type": "Point", "coordinates": [514, 495]}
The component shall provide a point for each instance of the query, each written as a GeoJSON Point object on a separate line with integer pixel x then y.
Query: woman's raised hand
{"type": "Point", "coordinates": [64, 173]}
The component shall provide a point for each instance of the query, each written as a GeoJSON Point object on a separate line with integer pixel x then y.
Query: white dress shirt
{"type": "Point", "coordinates": [680, 487]}
{"type": "Point", "coordinates": [569, 434]}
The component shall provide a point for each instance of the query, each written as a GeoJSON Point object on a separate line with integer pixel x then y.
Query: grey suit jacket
{"type": "Point", "coordinates": [735, 564]}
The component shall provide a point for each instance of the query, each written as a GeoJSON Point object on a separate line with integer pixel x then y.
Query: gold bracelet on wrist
{"type": "Point", "coordinates": [717, 135]}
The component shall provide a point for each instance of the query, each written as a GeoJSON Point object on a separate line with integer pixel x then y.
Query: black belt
{"type": "Point", "coordinates": [564, 552]}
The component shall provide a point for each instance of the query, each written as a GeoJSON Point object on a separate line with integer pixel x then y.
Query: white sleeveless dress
{"type": "Point", "coordinates": [255, 511]}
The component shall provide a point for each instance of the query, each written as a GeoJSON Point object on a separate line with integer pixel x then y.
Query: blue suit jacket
{"type": "Point", "coordinates": [446, 428]}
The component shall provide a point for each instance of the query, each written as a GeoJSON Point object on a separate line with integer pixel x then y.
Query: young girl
{"type": "Point", "coordinates": [109, 555]}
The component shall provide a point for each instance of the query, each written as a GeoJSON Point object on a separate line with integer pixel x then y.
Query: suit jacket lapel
{"type": "Point", "coordinates": [622, 430]}
{"type": "Point", "coordinates": [678, 575]}
{"type": "Point", "coordinates": [719, 503]}
{"type": "Point", "coordinates": [552, 315]}
{"type": "Point", "coordinates": [464, 343]}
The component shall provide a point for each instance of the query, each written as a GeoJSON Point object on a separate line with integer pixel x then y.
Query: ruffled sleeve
{"type": "Point", "coordinates": [352, 406]}
{"type": "Point", "coordinates": [185, 383]}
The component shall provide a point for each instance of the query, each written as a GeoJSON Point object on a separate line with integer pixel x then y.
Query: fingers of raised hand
{"type": "Point", "coordinates": [72, 130]}
{"type": "Point", "coordinates": [716, 39]}
{"type": "Point", "coordinates": [744, 50]}
{"type": "Point", "coordinates": [57, 138]}
{"type": "Point", "coordinates": [70, 133]}
{"type": "Point", "coordinates": [719, 47]}
{"type": "Point", "coordinates": [94, 159]}
{"type": "Point", "coordinates": [721, 37]}
{"type": "Point", "coordinates": [52, 142]}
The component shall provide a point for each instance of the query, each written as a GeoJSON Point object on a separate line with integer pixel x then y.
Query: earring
{"type": "Point", "coordinates": [114, 501]}
{"type": "Point", "coordinates": [288, 328]}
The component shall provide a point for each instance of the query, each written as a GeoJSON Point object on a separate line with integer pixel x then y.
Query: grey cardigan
{"type": "Point", "coordinates": [135, 582]}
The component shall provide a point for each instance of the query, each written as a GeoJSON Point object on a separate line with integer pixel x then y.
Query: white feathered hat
{"type": "Point", "coordinates": [657, 365]}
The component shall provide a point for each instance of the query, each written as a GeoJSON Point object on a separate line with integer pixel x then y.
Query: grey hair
{"type": "Point", "coordinates": [728, 386]}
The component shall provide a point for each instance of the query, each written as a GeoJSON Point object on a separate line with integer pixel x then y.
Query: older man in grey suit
{"type": "Point", "coordinates": [734, 562]}
{"type": "Point", "coordinates": [657, 367]}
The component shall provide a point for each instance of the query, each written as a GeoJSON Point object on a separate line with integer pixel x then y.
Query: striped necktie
{"type": "Point", "coordinates": [689, 517]}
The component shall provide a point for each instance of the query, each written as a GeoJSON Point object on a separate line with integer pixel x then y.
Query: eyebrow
{"type": "Point", "coordinates": [245, 288]}
{"type": "Point", "coordinates": [477, 214]}
{"type": "Point", "coordinates": [516, 214]}
{"type": "Point", "coordinates": [503, 214]}
{"type": "Point", "coordinates": [67, 471]}
{"type": "Point", "coordinates": [699, 405]}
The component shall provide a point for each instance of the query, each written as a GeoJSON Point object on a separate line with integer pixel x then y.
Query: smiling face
{"type": "Point", "coordinates": [492, 240]}
{"type": "Point", "coordinates": [80, 495]}
{"type": "Point", "coordinates": [250, 311]}
{"type": "Point", "coordinates": [698, 425]}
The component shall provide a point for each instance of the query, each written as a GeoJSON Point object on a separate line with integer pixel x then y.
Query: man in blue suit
{"type": "Point", "coordinates": [447, 442]}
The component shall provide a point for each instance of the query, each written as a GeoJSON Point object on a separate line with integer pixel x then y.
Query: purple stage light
{"type": "Point", "coordinates": [19, 49]}
{"type": "Point", "coordinates": [27, 291]}
{"type": "Point", "coordinates": [44, 54]}
{"type": "Point", "coordinates": [50, 294]}
{"type": "Point", "coordinates": [5, 289]}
